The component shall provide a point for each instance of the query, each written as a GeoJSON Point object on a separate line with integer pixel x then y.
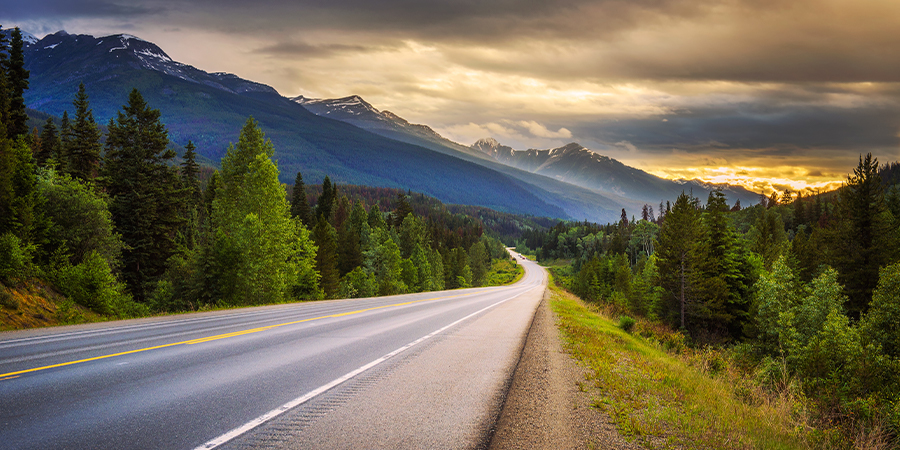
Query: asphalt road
{"type": "Point", "coordinates": [413, 371]}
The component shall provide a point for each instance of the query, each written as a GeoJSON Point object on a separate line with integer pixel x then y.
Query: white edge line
{"type": "Point", "coordinates": [318, 391]}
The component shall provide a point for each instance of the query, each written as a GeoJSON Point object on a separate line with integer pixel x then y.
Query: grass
{"type": "Point", "coordinates": [663, 395]}
{"type": "Point", "coordinates": [503, 272]}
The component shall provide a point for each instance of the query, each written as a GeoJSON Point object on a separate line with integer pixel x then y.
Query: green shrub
{"type": "Point", "coordinates": [14, 257]}
{"type": "Point", "coordinates": [93, 285]}
{"type": "Point", "coordinates": [626, 323]}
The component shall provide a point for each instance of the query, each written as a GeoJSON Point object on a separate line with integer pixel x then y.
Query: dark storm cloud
{"type": "Point", "coordinates": [758, 131]}
{"type": "Point", "coordinates": [737, 40]}
{"type": "Point", "coordinates": [67, 9]}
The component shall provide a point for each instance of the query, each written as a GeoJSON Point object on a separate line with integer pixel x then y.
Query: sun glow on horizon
{"type": "Point", "coordinates": [764, 180]}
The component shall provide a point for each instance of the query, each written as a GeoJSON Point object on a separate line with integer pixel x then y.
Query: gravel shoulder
{"type": "Point", "coordinates": [545, 407]}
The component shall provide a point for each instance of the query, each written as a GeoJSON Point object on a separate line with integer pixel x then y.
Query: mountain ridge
{"type": "Point", "coordinates": [211, 108]}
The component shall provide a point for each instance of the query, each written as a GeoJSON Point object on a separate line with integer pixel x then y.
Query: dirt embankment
{"type": "Point", "coordinates": [545, 408]}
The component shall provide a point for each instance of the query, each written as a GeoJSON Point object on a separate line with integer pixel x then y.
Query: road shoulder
{"type": "Point", "coordinates": [545, 407]}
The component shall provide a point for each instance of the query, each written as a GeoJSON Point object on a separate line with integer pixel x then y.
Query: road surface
{"type": "Point", "coordinates": [417, 371]}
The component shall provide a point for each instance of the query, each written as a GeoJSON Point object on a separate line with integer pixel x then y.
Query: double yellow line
{"type": "Point", "coordinates": [11, 375]}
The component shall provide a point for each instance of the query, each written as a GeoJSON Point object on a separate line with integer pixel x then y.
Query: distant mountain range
{"type": "Point", "coordinates": [571, 164]}
{"type": "Point", "coordinates": [347, 139]}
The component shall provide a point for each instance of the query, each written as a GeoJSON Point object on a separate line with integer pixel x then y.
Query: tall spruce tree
{"type": "Point", "coordinates": [4, 83]}
{"type": "Point", "coordinates": [49, 148]}
{"type": "Point", "coordinates": [299, 205]}
{"type": "Point", "coordinates": [144, 190]}
{"type": "Point", "coordinates": [325, 204]}
{"type": "Point", "coordinates": [325, 238]}
{"type": "Point", "coordinates": [191, 210]}
{"type": "Point", "coordinates": [676, 253]}
{"type": "Point", "coordinates": [18, 83]}
{"type": "Point", "coordinates": [865, 239]}
{"type": "Point", "coordinates": [83, 139]}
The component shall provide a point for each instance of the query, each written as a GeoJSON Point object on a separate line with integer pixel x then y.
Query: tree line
{"type": "Point", "coordinates": [119, 225]}
{"type": "Point", "coordinates": [812, 282]}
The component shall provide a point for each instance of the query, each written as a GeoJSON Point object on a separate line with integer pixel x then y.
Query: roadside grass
{"type": "Point", "coordinates": [663, 395]}
{"type": "Point", "coordinates": [503, 272]}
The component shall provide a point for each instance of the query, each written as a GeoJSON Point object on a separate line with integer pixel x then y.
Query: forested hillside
{"type": "Point", "coordinates": [106, 217]}
{"type": "Point", "coordinates": [804, 292]}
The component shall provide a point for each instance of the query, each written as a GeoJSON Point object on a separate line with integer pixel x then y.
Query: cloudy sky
{"type": "Point", "coordinates": [768, 93]}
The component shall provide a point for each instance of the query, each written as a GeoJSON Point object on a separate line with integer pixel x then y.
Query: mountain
{"type": "Point", "coordinates": [210, 109]}
{"type": "Point", "coordinates": [580, 166]}
{"type": "Point", "coordinates": [573, 173]}
{"type": "Point", "coordinates": [356, 111]}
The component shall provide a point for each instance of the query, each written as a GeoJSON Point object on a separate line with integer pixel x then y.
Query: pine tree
{"type": "Point", "coordinates": [299, 205]}
{"type": "Point", "coordinates": [403, 209]}
{"type": "Point", "coordinates": [18, 82]}
{"type": "Point", "coordinates": [865, 239]}
{"type": "Point", "coordinates": [676, 250]}
{"type": "Point", "coordinates": [190, 175]}
{"type": "Point", "coordinates": [145, 192]}
{"type": "Point", "coordinates": [722, 299]}
{"type": "Point", "coordinates": [5, 88]}
{"type": "Point", "coordinates": [83, 139]}
{"type": "Point", "coordinates": [19, 201]}
{"type": "Point", "coordinates": [325, 204]}
{"type": "Point", "coordinates": [49, 149]}
{"type": "Point", "coordinates": [191, 209]}
{"type": "Point", "coordinates": [325, 238]}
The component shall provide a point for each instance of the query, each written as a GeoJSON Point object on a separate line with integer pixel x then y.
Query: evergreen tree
{"type": "Point", "coordinates": [358, 224]}
{"type": "Point", "coordinates": [190, 175]}
{"type": "Point", "coordinates": [300, 209]}
{"type": "Point", "coordinates": [676, 250]}
{"type": "Point", "coordinates": [145, 192]}
{"type": "Point", "coordinates": [17, 78]}
{"type": "Point", "coordinates": [193, 197]}
{"type": "Point", "coordinates": [479, 263]}
{"type": "Point", "coordinates": [19, 202]}
{"type": "Point", "coordinates": [325, 238]}
{"type": "Point", "coordinates": [721, 282]}
{"type": "Point", "coordinates": [50, 144]}
{"type": "Point", "coordinates": [83, 139]}
{"type": "Point", "coordinates": [403, 209]}
{"type": "Point", "coordinates": [257, 254]}
{"type": "Point", "coordinates": [4, 84]}
{"type": "Point", "coordinates": [325, 204]}
{"type": "Point", "coordinates": [865, 239]}
{"type": "Point", "coordinates": [349, 248]}
{"type": "Point", "coordinates": [375, 218]}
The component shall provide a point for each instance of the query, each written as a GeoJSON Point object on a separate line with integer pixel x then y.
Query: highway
{"type": "Point", "coordinates": [424, 370]}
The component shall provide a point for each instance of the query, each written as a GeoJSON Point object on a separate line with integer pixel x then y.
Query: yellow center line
{"type": "Point", "coordinates": [11, 375]}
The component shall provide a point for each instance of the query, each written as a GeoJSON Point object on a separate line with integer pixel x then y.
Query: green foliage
{"type": "Point", "coordinates": [82, 140]}
{"type": "Point", "coordinates": [767, 236]}
{"type": "Point", "coordinates": [626, 323]}
{"type": "Point", "coordinates": [384, 262]}
{"type": "Point", "coordinates": [676, 250]}
{"type": "Point", "coordinates": [93, 285]}
{"type": "Point", "coordinates": [258, 253]}
{"type": "Point", "coordinates": [146, 193]}
{"type": "Point", "coordinates": [17, 77]}
{"type": "Point", "coordinates": [15, 257]}
{"type": "Point", "coordinates": [358, 283]}
{"type": "Point", "coordinates": [879, 325]}
{"type": "Point", "coordinates": [299, 205]}
{"type": "Point", "coordinates": [866, 239]}
{"type": "Point", "coordinates": [80, 217]}
{"type": "Point", "coordinates": [19, 202]}
{"type": "Point", "coordinates": [325, 238]}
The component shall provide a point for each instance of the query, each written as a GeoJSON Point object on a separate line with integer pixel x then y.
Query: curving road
{"type": "Point", "coordinates": [414, 371]}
